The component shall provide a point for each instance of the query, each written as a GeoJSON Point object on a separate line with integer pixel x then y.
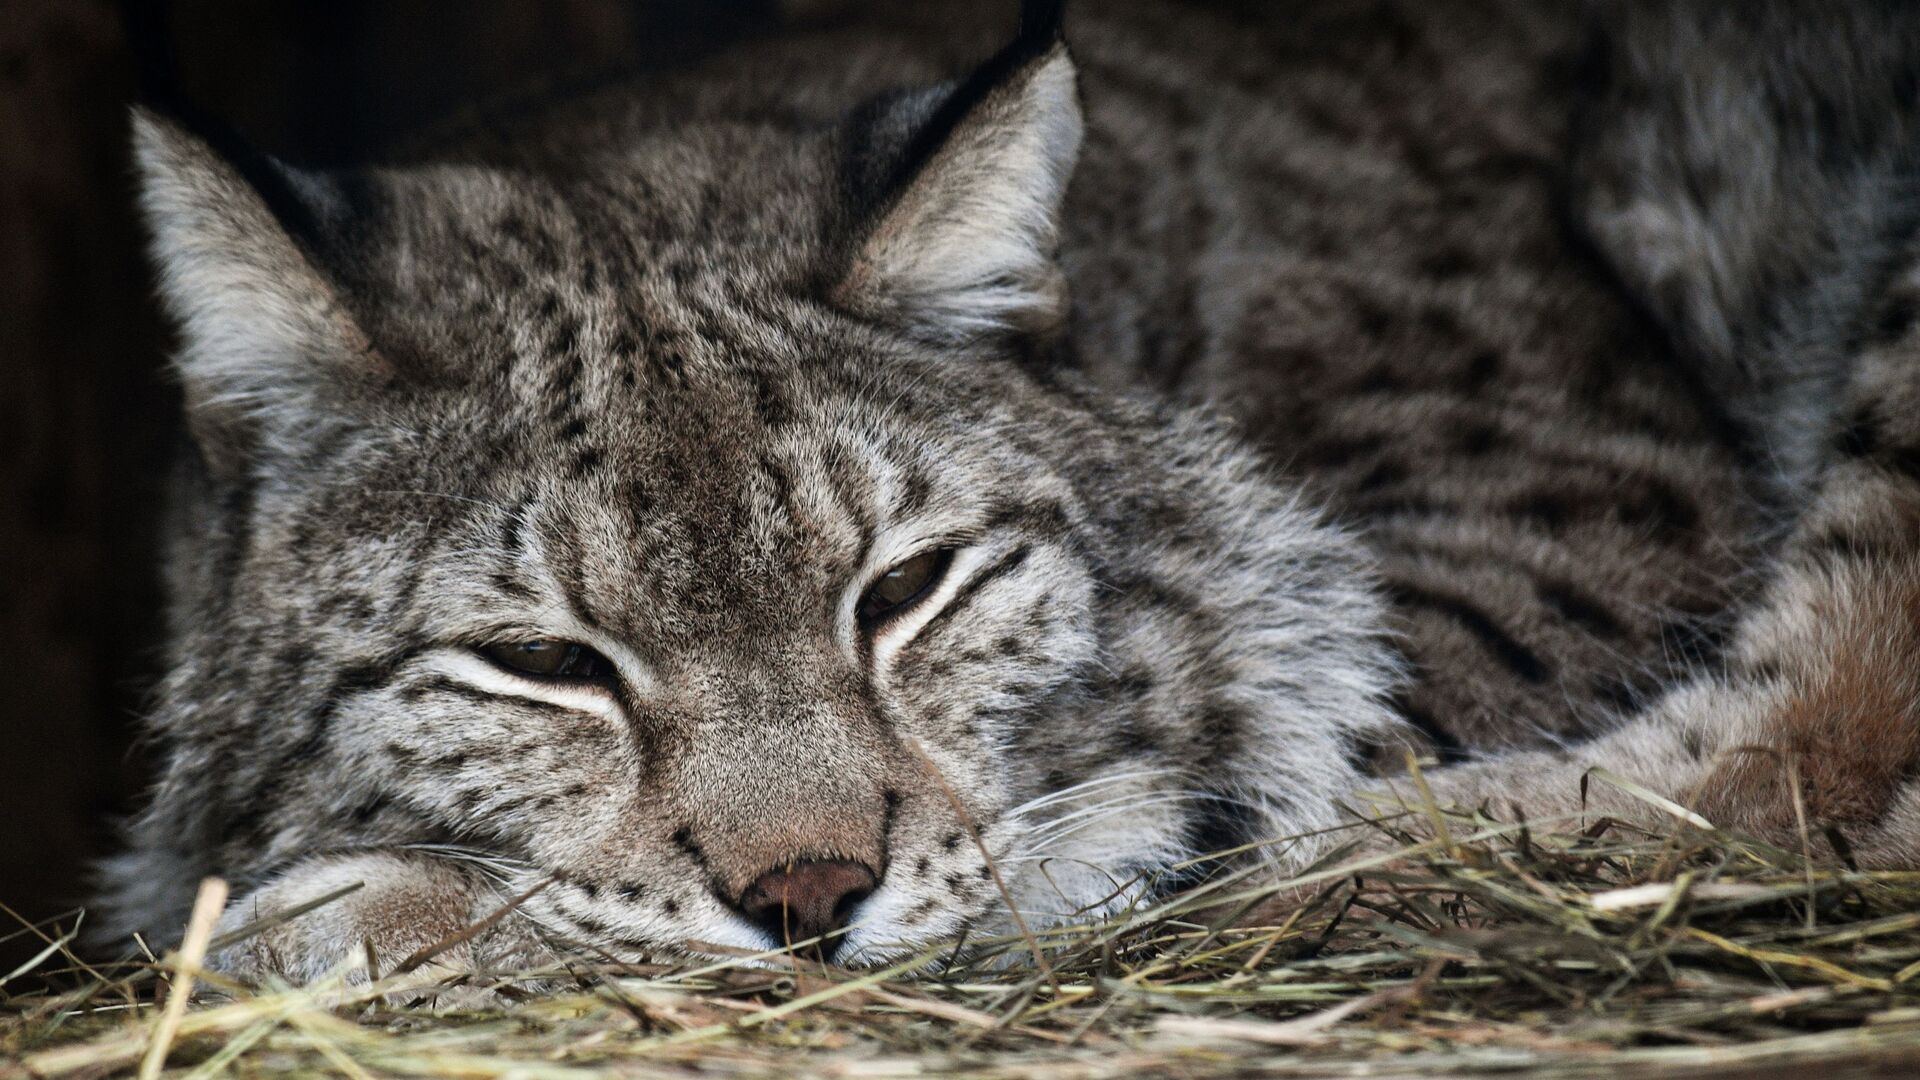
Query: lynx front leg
{"type": "Point", "coordinates": [405, 903]}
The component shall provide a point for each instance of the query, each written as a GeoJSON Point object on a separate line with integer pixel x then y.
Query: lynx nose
{"type": "Point", "coordinates": [808, 899]}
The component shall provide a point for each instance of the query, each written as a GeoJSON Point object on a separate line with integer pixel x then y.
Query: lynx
{"type": "Point", "coordinates": [796, 496]}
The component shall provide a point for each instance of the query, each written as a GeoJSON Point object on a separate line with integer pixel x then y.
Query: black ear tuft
{"type": "Point", "coordinates": [1042, 23]}
{"type": "Point", "coordinates": [149, 34]}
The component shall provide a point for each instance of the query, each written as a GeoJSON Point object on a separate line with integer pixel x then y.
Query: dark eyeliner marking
{"type": "Point", "coordinates": [1005, 565]}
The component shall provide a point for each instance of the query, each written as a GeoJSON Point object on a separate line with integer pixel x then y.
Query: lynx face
{"type": "Point", "coordinates": [674, 650]}
{"type": "Point", "coordinates": [726, 549]}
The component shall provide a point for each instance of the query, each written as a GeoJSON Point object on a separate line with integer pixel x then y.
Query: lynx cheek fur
{"type": "Point", "coordinates": [685, 415]}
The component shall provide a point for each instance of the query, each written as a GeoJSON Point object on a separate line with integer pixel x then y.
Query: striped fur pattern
{"type": "Point", "coordinates": [1354, 243]}
{"type": "Point", "coordinates": [1270, 410]}
{"type": "Point", "coordinates": [1808, 728]}
{"type": "Point", "coordinates": [1776, 239]}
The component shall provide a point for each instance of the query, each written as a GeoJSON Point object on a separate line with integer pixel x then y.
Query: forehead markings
{"type": "Point", "coordinates": [819, 499]}
{"type": "Point", "coordinates": [558, 608]}
{"type": "Point", "coordinates": [512, 528]}
{"type": "Point", "coordinates": [772, 498]}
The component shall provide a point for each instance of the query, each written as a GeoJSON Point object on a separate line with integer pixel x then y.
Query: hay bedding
{"type": "Point", "coordinates": [1577, 948]}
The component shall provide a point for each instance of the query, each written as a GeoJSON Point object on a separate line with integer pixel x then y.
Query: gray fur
{"type": "Point", "coordinates": [1755, 176]}
{"type": "Point", "coordinates": [1752, 172]}
{"type": "Point", "coordinates": [1273, 415]}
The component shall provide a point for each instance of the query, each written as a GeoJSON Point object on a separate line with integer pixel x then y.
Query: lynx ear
{"type": "Point", "coordinates": [264, 340]}
{"type": "Point", "coordinates": [965, 247]}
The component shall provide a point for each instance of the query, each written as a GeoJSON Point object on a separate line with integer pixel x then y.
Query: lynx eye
{"type": "Point", "coordinates": [545, 658]}
{"type": "Point", "coordinates": [901, 586]}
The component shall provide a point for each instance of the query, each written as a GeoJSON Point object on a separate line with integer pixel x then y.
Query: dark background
{"type": "Point", "coordinates": [87, 418]}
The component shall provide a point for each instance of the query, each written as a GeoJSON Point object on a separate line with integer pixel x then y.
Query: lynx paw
{"type": "Point", "coordinates": [403, 908]}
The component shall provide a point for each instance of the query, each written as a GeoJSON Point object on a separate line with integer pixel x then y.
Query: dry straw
{"type": "Point", "coordinates": [1480, 947]}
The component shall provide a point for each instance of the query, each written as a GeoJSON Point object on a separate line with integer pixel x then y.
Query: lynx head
{"type": "Point", "coordinates": [715, 525]}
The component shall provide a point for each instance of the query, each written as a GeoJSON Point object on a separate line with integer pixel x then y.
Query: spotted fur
{"type": "Point", "coordinates": [1755, 179]}
{"type": "Point", "coordinates": [1248, 362]}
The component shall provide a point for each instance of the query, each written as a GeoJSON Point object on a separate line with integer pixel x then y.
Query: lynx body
{"type": "Point", "coordinates": [736, 506]}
